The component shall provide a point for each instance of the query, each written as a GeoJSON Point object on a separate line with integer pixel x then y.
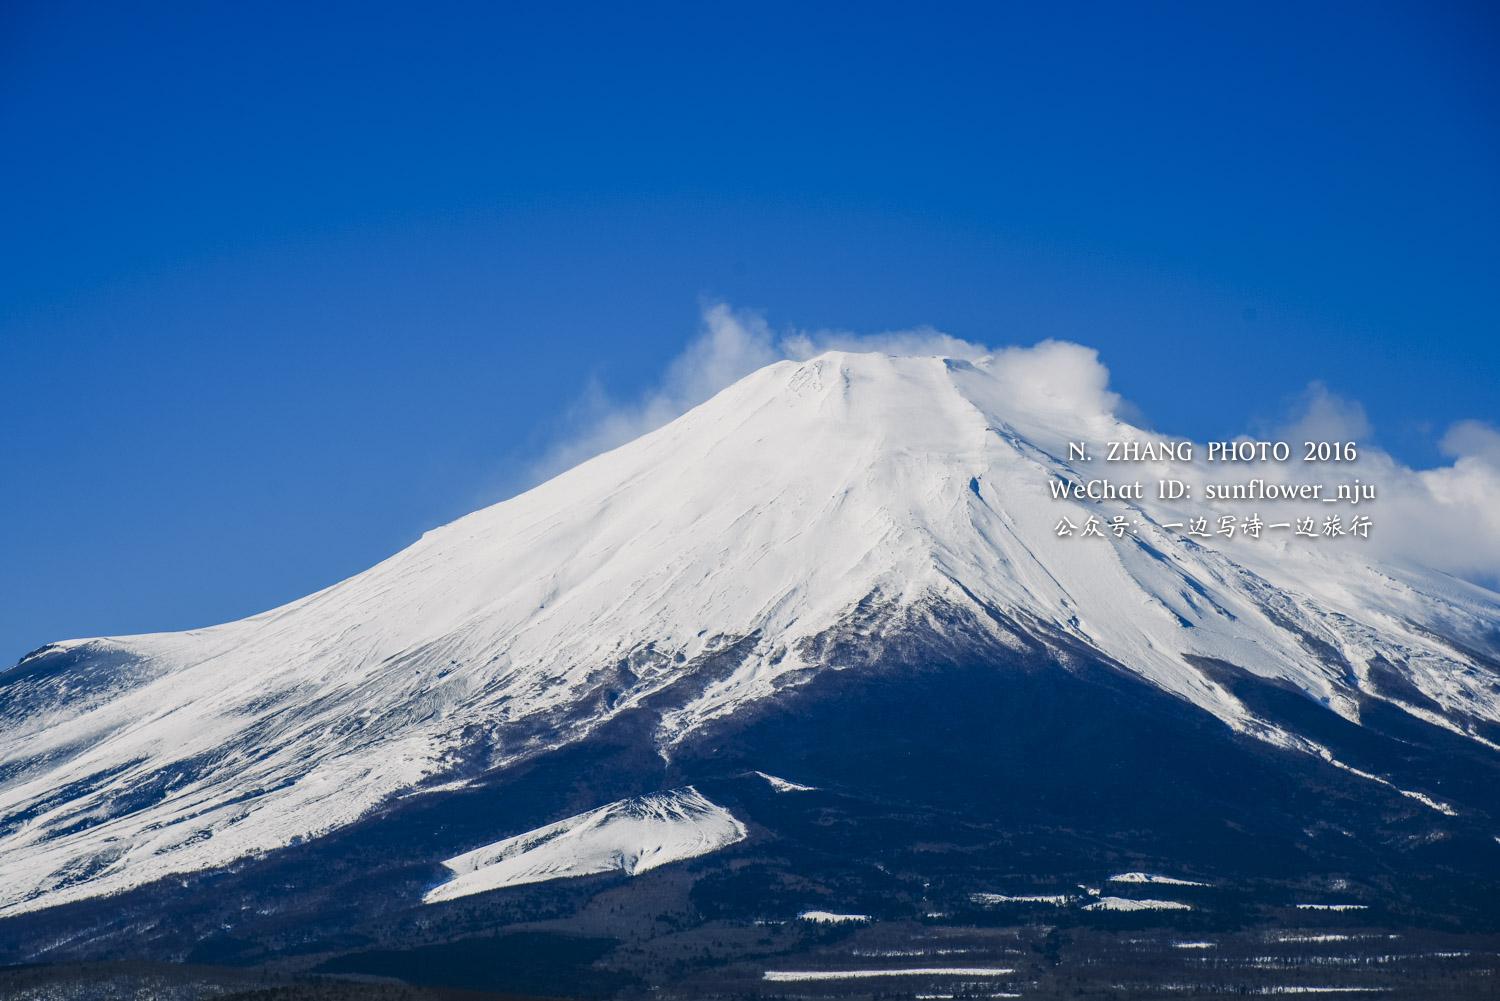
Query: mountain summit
{"type": "Point", "coordinates": [844, 520]}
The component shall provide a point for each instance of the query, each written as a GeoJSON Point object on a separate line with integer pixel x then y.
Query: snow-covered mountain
{"type": "Point", "coordinates": [784, 529]}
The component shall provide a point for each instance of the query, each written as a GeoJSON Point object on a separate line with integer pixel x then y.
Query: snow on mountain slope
{"type": "Point", "coordinates": [785, 785]}
{"type": "Point", "coordinates": [630, 836]}
{"type": "Point", "coordinates": [1146, 877]}
{"type": "Point", "coordinates": [1128, 904]}
{"type": "Point", "coordinates": [730, 537]}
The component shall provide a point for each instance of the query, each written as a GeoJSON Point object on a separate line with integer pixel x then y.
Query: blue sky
{"type": "Point", "coordinates": [282, 288]}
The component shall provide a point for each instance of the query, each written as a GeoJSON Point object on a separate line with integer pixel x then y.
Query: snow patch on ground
{"type": "Point", "coordinates": [1146, 877]}
{"type": "Point", "coordinates": [783, 785]}
{"type": "Point", "coordinates": [993, 899]}
{"type": "Point", "coordinates": [1126, 904]}
{"type": "Point", "coordinates": [921, 971]}
{"type": "Point", "coordinates": [830, 918]}
{"type": "Point", "coordinates": [1290, 989]}
{"type": "Point", "coordinates": [629, 836]}
{"type": "Point", "coordinates": [907, 953]}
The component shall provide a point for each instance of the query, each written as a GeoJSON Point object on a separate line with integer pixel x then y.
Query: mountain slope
{"type": "Point", "coordinates": [736, 553]}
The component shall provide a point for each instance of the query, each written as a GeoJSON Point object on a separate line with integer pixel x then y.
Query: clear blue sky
{"type": "Point", "coordinates": [283, 285]}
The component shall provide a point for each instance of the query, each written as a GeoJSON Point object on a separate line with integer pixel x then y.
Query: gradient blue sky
{"type": "Point", "coordinates": [284, 285]}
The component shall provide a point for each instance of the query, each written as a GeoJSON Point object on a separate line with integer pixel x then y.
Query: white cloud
{"type": "Point", "coordinates": [1454, 511]}
{"type": "Point", "coordinates": [1055, 376]}
{"type": "Point", "coordinates": [1474, 440]}
{"type": "Point", "coordinates": [1321, 415]}
{"type": "Point", "coordinates": [1447, 517]}
{"type": "Point", "coordinates": [731, 345]}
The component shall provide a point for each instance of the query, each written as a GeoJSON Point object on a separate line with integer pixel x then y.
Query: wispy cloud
{"type": "Point", "coordinates": [1321, 415]}
{"type": "Point", "coordinates": [731, 345]}
{"type": "Point", "coordinates": [1445, 517]}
